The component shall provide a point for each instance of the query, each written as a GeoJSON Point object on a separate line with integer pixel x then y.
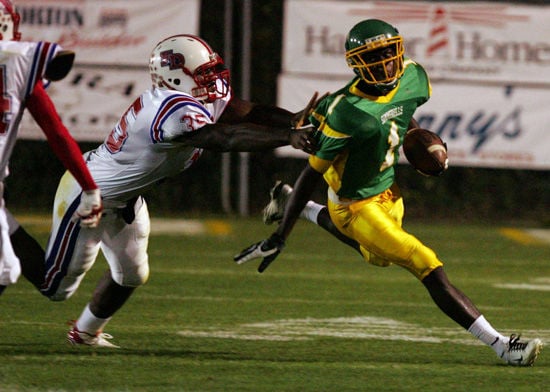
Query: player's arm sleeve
{"type": "Point", "coordinates": [236, 137]}
{"type": "Point", "coordinates": [60, 140]}
{"type": "Point", "coordinates": [189, 124]}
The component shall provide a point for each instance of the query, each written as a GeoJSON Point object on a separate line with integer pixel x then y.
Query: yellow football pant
{"type": "Point", "coordinates": [375, 223]}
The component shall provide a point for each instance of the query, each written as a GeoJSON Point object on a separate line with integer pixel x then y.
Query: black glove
{"type": "Point", "coordinates": [269, 249]}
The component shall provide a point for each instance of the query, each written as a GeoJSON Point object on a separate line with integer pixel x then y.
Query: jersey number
{"type": "Point", "coordinates": [393, 143]}
{"type": "Point", "coordinates": [119, 134]}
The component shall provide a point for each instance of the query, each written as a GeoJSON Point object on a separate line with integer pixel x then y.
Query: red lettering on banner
{"type": "Point", "coordinates": [514, 156]}
{"type": "Point", "coordinates": [74, 40]}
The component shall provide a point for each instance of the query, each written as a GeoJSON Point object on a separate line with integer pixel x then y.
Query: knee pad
{"type": "Point", "coordinates": [135, 277]}
{"type": "Point", "coordinates": [371, 258]}
{"type": "Point", "coordinates": [423, 261]}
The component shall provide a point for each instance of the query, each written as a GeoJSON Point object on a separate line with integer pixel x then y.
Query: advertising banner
{"type": "Point", "coordinates": [486, 42]}
{"type": "Point", "coordinates": [120, 32]}
{"type": "Point", "coordinates": [483, 126]}
{"type": "Point", "coordinates": [112, 40]}
{"type": "Point", "coordinates": [489, 65]}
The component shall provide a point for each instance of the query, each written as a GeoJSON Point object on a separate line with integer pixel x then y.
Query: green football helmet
{"type": "Point", "coordinates": [374, 50]}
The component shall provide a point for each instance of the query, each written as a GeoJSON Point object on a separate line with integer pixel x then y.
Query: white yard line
{"type": "Point", "coordinates": [359, 327]}
{"type": "Point", "coordinates": [159, 226]}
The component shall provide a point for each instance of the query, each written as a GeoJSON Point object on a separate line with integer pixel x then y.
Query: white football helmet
{"type": "Point", "coordinates": [187, 63]}
{"type": "Point", "coordinates": [9, 22]}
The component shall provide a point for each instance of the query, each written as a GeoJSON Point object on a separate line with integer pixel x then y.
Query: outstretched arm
{"type": "Point", "coordinates": [247, 137]}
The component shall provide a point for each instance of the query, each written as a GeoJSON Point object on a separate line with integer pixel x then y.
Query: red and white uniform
{"type": "Point", "coordinates": [139, 152]}
{"type": "Point", "coordinates": [22, 65]}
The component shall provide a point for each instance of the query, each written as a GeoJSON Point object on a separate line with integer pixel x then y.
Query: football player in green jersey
{"type": "Point", "coordinates": [359, 130]}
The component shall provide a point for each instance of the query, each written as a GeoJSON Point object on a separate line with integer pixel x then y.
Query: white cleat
{"type": "Point", "coordinates": [274, 210]}
{"type": "Point", "coordinates": [521, 353]}
{"type": "Point", "coordinates": [78, 338]}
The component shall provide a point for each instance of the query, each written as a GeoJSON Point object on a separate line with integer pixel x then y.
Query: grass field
{"type": "Point", "coordinates": [319, 319]}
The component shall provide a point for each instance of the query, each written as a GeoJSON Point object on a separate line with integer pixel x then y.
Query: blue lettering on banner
{"type": "Point", "coordinates": [481, 125]}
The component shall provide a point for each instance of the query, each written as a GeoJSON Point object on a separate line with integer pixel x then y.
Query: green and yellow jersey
{"type": "Point", "coordinates": [359, 135]}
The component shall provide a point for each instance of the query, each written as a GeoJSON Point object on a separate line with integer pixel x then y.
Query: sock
{"type": "Point", "coordinates": [482, 330]}
{"type": "Point", "coordinates": [89, 323]}
{"type": "Point", "coordinates": [311, 210]}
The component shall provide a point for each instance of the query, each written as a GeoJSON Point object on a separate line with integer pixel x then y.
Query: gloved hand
{"type": "Point", "coordinates": [90, 208]}
{"type": "Point", "coordinates": [269, 249]}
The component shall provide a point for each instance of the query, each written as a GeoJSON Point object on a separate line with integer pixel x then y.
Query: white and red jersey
{"type": "Point", "coordinates": [22, 64]}
{"type": "Point", "coordinates": [141, 150]}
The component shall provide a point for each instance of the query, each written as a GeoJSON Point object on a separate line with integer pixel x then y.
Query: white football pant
{"type": "Point", "coordinates": [72, 250]}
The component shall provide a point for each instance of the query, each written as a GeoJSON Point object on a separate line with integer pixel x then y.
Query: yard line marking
{"type": "Point", "coordinates": [535, 284]}
{"type": "Point", "coordinates": [523, 286]}
{"type": "Point", "coordinates": [189, 226]}
{"type": "Point", "coordinates": [541, 234]}
{"type": "Point", "coordinates": [527, 236]}
{"type": "Point", "coordinates": [359, 327]}
{"type": "Point", "coordinates": [159, 226]}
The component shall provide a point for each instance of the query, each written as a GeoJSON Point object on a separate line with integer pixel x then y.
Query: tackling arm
{"type": "Point", "coordinates": [246, 137]}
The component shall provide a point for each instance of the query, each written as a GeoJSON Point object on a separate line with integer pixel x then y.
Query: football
{"type": "Point", "coordinates": [425, 151]}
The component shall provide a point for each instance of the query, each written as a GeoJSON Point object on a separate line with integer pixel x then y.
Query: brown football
{"type": "Point", "coordinates": [425, 151]}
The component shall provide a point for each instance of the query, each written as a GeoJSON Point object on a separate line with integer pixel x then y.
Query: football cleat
{"type": "Point", "coordinates": [76, 338]}
{"type": "Point", "coordinates": [521, 353]}
{"type": "Point", "coordinates": [274, 210]}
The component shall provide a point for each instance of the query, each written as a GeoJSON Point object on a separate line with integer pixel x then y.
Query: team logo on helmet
{"type": "Point", "coordinates": [172, 60]}
{"type": "Point", "coordinates": [188, 64]}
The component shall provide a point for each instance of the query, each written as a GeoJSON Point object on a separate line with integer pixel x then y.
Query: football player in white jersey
{"type": "Point", "coordinates": [23, 66]}
{"type": "Point", "coordinates": [189, 108]}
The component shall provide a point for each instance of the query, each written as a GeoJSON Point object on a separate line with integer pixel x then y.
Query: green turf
{"type": "Point", "coordinates": [318, 319]}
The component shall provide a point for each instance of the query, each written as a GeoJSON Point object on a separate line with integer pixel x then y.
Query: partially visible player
{"type": "Point", "coordinates": [23, 65]}
{"type": "Point", "coordinates": [190, 107]}
{"type": "Point", "coordinates": [360, 128]}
